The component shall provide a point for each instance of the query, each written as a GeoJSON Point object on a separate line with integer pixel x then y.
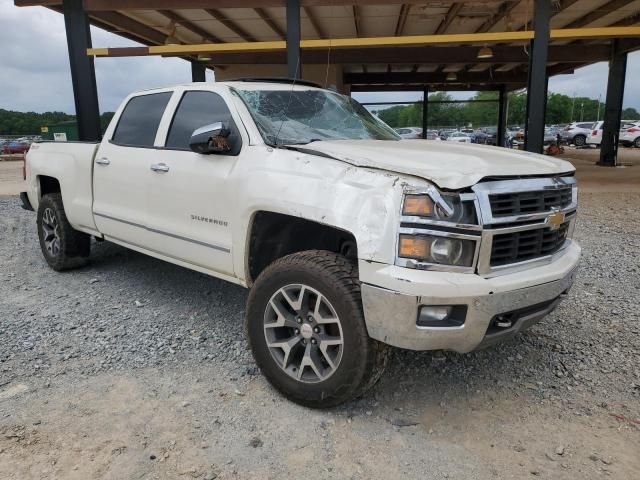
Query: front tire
{"type": "Point", "coordinates": [62, 246]}
{"type": "Point", "coordinates": [307, 331]}
{"type": "Point", "coordinates": [636, 142]}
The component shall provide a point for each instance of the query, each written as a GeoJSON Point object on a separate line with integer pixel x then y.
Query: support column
{"type": "Point", "coordinates": [425, 111]}
{"type": "Point", "coordinates": [502, 116]}
{"type": "Point", "coordinates": [613, 107]}
{"type": "Point", "coordinates": [537, 81]}
{"type": "Point", "coordinates": [198, 72]}
{"type": "Point", "coordinates": [294, 62]}
{"type": "Point", "coordinates": [83, 74]}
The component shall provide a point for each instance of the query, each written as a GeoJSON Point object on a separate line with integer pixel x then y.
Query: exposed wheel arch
{"type": "Point", "coordinates": [48, 185]}
{"type": "Point", "coordinates": [274, 235]}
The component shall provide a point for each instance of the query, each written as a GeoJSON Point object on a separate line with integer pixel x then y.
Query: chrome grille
{"type": "Point", "coordinates": [523, 203]}
{"type": "Point", "coordinates": [526, 245]}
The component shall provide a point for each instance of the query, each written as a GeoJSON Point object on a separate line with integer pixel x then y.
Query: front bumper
{"type": "Point", "coordinates": [392, 296]}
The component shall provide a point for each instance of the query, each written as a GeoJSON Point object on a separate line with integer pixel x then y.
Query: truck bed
{"type": "Point", "coordinates": [71, 163]}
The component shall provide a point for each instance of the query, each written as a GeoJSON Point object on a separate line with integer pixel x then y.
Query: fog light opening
{"type": "Point", "coordinates": [442, 316]}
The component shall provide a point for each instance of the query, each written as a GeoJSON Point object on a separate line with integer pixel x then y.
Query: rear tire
{"type": "Point", "coordinates": [307, 331]}
{"type": "Point", "coordinates": [636, 142]}
{"type": "Point", "coordinates": [62, 246]}
{"type": "Point", "coordinates": [579, 140]}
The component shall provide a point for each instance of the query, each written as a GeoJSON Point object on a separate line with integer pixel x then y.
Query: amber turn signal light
{"type": "Point", "coordinates": [414, 247]}
{"type": "Point", "coordinates": [418, 205]}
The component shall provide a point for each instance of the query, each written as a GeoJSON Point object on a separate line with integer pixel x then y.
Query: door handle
{"type": "Point", "coordinates": [160, 167]}
{"type": "Point", "coordinates": [103, 161]}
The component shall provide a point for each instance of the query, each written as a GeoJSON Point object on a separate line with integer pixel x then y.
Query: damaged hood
{"type": "Point", "coordinates": [447, 164]}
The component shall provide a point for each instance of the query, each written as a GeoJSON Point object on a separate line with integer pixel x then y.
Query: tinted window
{"type": "Point", "coordinates": [139, 121]}
{"type": "Point", "coordinates": [584, 125]}
{"type": "Point", "coordinates": [197, 109]}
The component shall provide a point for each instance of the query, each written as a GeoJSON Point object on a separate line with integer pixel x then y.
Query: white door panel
{"type": "Point", "coordinates": [121, 168]}
{"type": "Point", "coordinates": [188, 208]}
{"type": "Point", "coordinates": [119, 199]}
{"type": "Point", "coordinates": [188, 197]}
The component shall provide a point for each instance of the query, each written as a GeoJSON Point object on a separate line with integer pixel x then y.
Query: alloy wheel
{"type": "Point", "coordinates": [51, 236]}
{"type": "Point", "coordinates": [303, 333]}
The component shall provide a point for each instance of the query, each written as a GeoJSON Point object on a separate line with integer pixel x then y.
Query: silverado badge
{"type": "Point", "coordinates": [555, 219]}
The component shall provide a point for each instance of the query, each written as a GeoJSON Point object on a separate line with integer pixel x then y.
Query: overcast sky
{"type": "Point", "coordinates": [35, 68]}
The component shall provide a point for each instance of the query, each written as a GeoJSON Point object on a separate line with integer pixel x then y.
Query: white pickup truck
{"type": "Point", "coordinates": [350, 238]}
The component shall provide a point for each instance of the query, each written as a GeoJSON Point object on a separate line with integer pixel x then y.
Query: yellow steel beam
{"type": "Point", "coordinates": [219, 47]}
{"type": "Point", "coordinates": [491, 37]}
{"type": "Point", "coordinates": [601, 32]}
{"type": "Point", "coordinates": [98, 52]}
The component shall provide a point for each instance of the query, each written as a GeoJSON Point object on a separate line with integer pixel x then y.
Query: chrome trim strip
{"type": "Point", "coordinates": [437, 233]}
{"type": "Point", "coordinates": [484, 263]}
{"type": "Point", "coordinates": [438, 267]}
{"type": "Point", "coordinates": [483, 190]}
{"type": "Point", "coordinates": [527, 264]}
{"type": "Point", "coordinates": [441, 223]}
{"type": "Point", "coordinates": [435, 267]}
{"type": "Point", "coordinates": [172, 235]}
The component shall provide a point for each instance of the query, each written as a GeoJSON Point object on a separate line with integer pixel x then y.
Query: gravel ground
{"type": "Point", "coordinates": [135, 368]}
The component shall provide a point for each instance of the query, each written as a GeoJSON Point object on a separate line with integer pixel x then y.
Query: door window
{"type": "Point", "coordinates": [197, 109]}
{"type": "Point", "coordinates": [138, 124]}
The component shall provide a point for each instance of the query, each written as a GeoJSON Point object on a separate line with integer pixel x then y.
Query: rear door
{"type": "Point", "coordinates": [121, 168]}
{"type": "Point", "coordinates": [190, 197]}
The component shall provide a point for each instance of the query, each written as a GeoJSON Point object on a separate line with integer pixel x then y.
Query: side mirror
{"type": "Point", "coordinates": [211, 139]}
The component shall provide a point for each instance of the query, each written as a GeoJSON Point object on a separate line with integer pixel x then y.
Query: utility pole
{"type": "Point", "coordinates": [573, 104]}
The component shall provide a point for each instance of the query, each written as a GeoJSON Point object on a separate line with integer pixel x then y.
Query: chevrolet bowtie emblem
{"type": "Point", "coordinates": [555, 219]}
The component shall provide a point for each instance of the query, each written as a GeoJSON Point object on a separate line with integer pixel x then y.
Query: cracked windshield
{"type": "Point", "coordinates": [298, 117]}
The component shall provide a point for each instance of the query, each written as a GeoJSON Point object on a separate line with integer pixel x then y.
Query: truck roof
{"type": "Point", "coordinates": [244, 84]}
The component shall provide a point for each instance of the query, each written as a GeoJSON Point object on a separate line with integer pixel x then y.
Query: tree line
{"type": "Point", "coordinates": [561, 109]}
{"type": "Point", "coordinates": [29, 123]}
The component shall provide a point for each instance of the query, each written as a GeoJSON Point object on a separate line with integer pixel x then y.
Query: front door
{"type": "Point", "coordinates": [188, 194]}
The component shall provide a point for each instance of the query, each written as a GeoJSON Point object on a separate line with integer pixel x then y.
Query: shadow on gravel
{"type": "Point", "coordinates": [517, 364]}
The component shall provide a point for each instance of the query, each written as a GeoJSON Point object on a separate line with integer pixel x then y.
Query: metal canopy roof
{"type": "Point", "coordinates": [163, 22]}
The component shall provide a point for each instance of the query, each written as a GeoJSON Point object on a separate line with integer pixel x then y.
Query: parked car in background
{"type": "Point", "coordinates": [459, 137]}
{"type": "Point", "coordinates": [576, 133]}
{"type": "Point", "coordinates": [479, 136]}
{"type": "Point", "coordinates": [409, 132]}
{"type": "Point", "coordinates": [433, 135]}
{"type": "Point", "coordinates": [492, 135]}
{"type": "Point", "coordinates": [15, 147]}
{"type": "Point", "coordinates": [595, 135]}
{"type": "Point", "coordinates": [630, 134]}
{"type": "Point", "coordinates": [444, 134]}
{"type": "Point", "coordinates": [550, 136]}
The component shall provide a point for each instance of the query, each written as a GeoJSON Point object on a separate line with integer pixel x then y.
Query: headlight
{"type": "Point", "coordinates": [436, 249]}
{"type": "Point", "coordinates": [443, 207]}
